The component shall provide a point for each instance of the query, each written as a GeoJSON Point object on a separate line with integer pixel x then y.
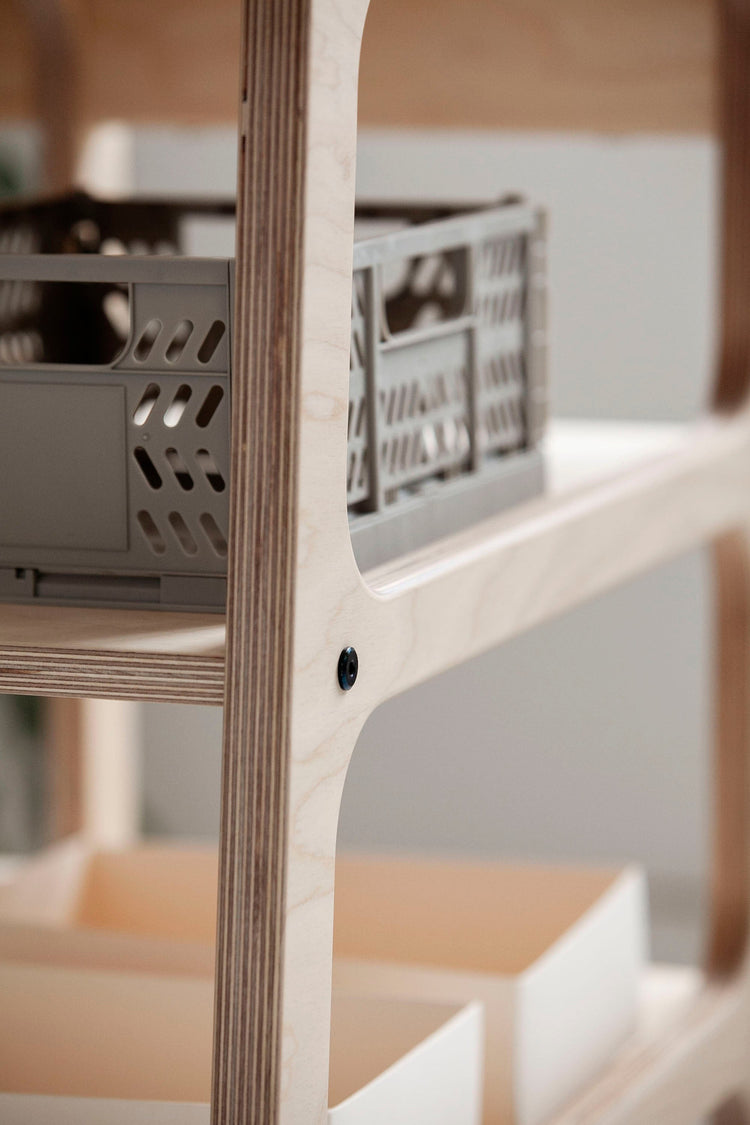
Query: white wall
{"type": "Point", "coordinates": [586, 738]}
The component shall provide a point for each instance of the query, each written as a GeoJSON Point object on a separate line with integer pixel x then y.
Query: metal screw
{"type": "Point", "coordinates": [348, 668]}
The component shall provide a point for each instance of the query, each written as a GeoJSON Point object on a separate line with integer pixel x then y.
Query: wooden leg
{"type": "Point", "coordinates": [285, 750]}
{"type": "Point", "coordinates": [94, 769]}
{"type": "Point", "coordinates": [64, 752]}
{"type": "Point", "coordinates": [730, 887]}
{"type": "Point", "coordinates": [730, 883]}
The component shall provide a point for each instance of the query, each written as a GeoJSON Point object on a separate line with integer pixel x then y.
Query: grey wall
{"type": "Point", "coordinates": [586, 738]}
{"type": "Point", "coordinates": [20, 158]}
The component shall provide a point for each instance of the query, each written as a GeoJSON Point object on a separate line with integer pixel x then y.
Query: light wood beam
{"type": "Point", "coordinates": [52, 44]}
{"type": "Point", "coordinates": [614, 67]}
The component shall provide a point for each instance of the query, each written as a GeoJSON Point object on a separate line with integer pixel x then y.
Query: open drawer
{"type": "Point", "coordinates": [128, 1041]}
{"type": "Point", "coordinates": [555, 954]}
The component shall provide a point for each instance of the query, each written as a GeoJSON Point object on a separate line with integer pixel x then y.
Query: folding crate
{"type": "Point", "coordinates": [115, 380]}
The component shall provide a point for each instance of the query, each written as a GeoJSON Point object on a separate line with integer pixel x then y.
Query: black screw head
{"type": "Point", "coordinates": [348, 668]}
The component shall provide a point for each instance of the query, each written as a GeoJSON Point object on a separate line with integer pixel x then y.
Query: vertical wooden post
{"type": "Point", "coordinates": [730, 885]}
{"type": "Point", "coordinates": [730, 915]}
{"type": "Point", "coordinates": [730, 882]}
{"type": "Point", "coordinates": [261, 599]}
{"type": "Point", "coordinates": [55, 89]}
{"type": "Point", "coordinates": [63, 735]}
{"type": "Point", "coordinates": [288, 735]}
{"type": "Point", "coordinates": [93, 747]}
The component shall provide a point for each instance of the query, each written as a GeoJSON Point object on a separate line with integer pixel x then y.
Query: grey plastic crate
{"type": "Point", "coordinates": [115, 381]}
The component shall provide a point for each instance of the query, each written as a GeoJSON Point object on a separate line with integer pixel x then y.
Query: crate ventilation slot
{"type": "Point", "coordinates": [180, 470]}
{"type": "Point", "coordinates": [176, 409]}
{"type": "Point", "coordinates": [210, 405]}
{"type": "Point", "coordinates": [214, 336]}
{"type": "Point", "coordinates": [211, 470]}
{"type": "Point", "coordinates": [147, 467]}
{"type": "Point", "coordinates": [214, 534]}
{"type": "Point", "coordinates": [146, 404]}
{"type": "Point", "coordinates": [182, 533]}
{"type": "Point", "coordinates": [147, 340]}
{"type": "Point", "coordinates": [179, 340]}
{"type": "Point", "coordinates": [151, 532]}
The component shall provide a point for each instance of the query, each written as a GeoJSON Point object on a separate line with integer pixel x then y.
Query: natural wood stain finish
{"type": "Point", "coordinates": [271, 218]}
{"type": "Point", "coordinates": [618, 66]}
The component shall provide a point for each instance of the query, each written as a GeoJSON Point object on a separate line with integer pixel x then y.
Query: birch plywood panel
{"type": "Point", "coordinates": [531, 64]}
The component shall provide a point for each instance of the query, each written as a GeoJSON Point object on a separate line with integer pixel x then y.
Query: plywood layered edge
{"type": "Point", "coordinates": [108, 675]}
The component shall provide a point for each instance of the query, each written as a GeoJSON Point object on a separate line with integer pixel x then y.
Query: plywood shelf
{"type": "Point", "coordinates": [621, 497]}
{"type": "Point", "coordinates": [688, 1054]}
{"type": "Point", "coordinates": [612, 72]}
{"type": "Point", "coordinates": [118, 654]}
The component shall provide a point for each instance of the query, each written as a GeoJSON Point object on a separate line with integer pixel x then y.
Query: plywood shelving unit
{"type": "Point", "coordinates": [621, 500]}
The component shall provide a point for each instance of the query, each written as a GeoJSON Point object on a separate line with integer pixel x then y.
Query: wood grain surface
{"type": "Point", "coordinates": [118, 654]}
{"type": "Point", "coordinates": [618, 66]}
